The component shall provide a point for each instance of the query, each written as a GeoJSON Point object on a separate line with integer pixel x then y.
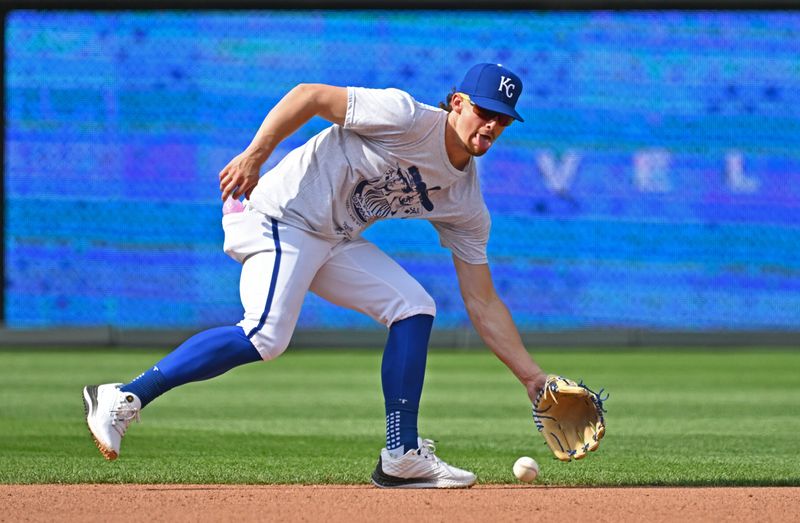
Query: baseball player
{"type": "Point", "coordinates": [385, 156]}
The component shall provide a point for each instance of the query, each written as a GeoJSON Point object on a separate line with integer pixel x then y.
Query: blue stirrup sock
{"type": "Point", "coordinates": [402, 375]}
{"type": "Point", "coordinates": [201, 357]}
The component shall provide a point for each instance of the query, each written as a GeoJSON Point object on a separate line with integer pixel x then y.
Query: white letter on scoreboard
{"type": "Point", "coordinates": [558, 178]}
{"type": "Point", "coordinates": [735, 177]}
{"type": "Point", "coordinates": [650, 170]}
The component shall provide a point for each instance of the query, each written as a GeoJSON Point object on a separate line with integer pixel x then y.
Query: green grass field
{"type": "Point", "coordinates": [675, 417]}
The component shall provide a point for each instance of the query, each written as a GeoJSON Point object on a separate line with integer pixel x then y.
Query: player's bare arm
{"type": "Point", "coordinates": [494, 324]}
{"type": "Point", "coordinates": [299, 105]}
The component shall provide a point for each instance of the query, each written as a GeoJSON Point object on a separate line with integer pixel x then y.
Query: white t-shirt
{"type": "Point", "coordinates": [387, 161]}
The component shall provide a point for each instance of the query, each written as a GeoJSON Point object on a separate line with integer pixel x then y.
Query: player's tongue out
{"type": "Point", "coordinates": [483, 142]}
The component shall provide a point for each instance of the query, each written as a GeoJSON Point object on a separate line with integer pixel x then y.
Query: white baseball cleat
{"type": "Point", "coordinates": [419, 468]}
{"type": "Point", "coordinates": [109, 411]}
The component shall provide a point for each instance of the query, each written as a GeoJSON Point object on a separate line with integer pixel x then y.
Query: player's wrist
{"type": "Point", "coordinates": [534, 384]}
{"type": "Point", "coordinates": [257, 153]}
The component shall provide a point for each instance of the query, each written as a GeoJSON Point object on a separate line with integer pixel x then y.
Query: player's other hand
{"type": "Point", "coordinates": [240, 176]}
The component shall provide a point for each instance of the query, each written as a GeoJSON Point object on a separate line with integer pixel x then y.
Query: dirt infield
{"type": "Point", "coordinates": [363, 503]}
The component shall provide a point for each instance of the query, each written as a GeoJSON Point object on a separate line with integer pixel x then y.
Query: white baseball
{"type": "Point", "coordinates": [526, 469]}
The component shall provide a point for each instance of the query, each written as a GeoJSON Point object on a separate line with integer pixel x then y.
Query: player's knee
{"type": "Point", "coordinates": [271, 344]}
{"type": "Point", "coordinates": [414, 301]}
{"type": "Point", "coordinates": [281, 343]}
{"type": "Point", "coordinates": [426, 301]}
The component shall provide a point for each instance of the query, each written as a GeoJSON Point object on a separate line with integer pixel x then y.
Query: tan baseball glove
{"type": "Point", "coordinates": [570, 417]}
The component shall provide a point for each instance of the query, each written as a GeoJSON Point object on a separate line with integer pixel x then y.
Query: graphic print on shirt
{"type": "Point", "coordinates": [398, 193]}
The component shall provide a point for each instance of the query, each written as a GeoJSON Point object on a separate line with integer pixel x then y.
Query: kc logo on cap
{"type": "Point", "coordinates": [505, 83]}
{"type": "Point", "coordinates": [493, 87]}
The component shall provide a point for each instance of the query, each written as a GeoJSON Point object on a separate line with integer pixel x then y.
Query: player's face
{"type": "Point", "coordinates": [478, 128]}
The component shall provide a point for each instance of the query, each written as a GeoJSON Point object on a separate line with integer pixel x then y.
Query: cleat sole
{"type": "Point", "coordinates": [89, 405]}
{"type": "Point", "coordinates": [382, 480]}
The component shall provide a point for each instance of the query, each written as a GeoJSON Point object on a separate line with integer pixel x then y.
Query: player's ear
{"type": "Point", "coordinates": [457, 103]}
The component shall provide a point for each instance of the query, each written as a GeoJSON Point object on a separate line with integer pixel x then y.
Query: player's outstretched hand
{"type": "Point", "coordinates": [570, 417]}
{"type": "Point", "coordinates": [240, 176]}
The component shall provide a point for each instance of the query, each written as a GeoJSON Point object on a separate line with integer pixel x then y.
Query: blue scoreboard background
{"type": "Point", "coordinates": [654, 184]}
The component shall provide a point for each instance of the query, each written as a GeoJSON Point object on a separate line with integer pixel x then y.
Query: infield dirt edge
{"type": "Point", "coordinates": [177, 502]}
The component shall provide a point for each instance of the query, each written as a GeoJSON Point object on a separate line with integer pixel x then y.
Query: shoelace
{"type": "Point", "coordinates": [124, 415]}
{"type": "Point", "coordinates": [428, 449]}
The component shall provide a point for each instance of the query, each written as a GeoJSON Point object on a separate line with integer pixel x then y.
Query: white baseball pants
{"type": "Point", "coordinates": [280, 263]}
